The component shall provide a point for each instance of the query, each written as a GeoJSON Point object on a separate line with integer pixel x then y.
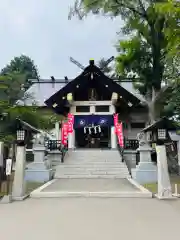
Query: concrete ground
{"type": "Point", "coordinates": [90, 219]}
{"type": "Point", "coordinates": [91, 185]}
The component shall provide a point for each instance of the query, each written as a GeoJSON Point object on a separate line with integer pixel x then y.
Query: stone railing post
{"type": "Point", "coordinates": [113, 138]}
{"type": "Point", "coordinates": [19, 184]}
{"type": "Point", "coordinates": [71, 140]}
{"type": "Point", "coordinates": [178, 154]}
{"type": "Point", "coordinates": [1, 154]}
{"type": "Point", "coordinates": [164, 184]}
{"type": "Point", "coordinates": [146, 170]}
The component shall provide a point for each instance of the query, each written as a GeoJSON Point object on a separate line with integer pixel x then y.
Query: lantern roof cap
{"type": "Point", "coordinates": [163, 123]}
{"type": "Point", "coordinates": [26, 126]}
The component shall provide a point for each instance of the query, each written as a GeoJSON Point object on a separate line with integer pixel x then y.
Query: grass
{"type": "Point", "coordinates": [30, 186]}
{"type": "Point", "coordinates": [174, 180]}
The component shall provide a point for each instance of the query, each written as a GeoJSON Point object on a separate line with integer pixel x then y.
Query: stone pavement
{"type": "Point", "coordinates": [90, 219]}
{"type": "Point", "coordinates": [92, 187]}
{"type": "Point", "coordinates": [96, 185]}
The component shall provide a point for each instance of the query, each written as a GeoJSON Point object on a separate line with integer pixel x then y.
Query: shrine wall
{"type": "Point", "coordinates": [92, 107]}
{"type": "Point", "coordinates": [137, 121]}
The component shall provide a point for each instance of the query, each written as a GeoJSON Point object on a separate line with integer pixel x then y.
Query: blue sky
{"type": "Point", "coordinates": [41, 30]}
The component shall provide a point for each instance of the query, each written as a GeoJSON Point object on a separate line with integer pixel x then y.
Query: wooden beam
{"type": "Point", "coordinates": [70, 98]}
{"type": "Point", "coordinates": [114, 98]}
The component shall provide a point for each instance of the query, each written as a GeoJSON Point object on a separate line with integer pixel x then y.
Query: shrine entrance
{"type": "Point", "coordinates": [92, 140]}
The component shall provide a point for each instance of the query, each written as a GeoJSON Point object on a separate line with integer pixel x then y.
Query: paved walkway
{"type": "Point", "coordinates": [90, 219]}
{"type": "Point", "coordinates": [91, 185]}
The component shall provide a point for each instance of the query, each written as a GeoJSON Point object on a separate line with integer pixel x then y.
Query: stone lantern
{"type": "Point", "coordinates": [158, 135]}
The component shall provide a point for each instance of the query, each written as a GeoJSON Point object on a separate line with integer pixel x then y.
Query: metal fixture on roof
{"type": "Point", "coordinates": [66, 79]}
{"type": "Point", "coordinates": [107, 63]}
{"type": "Point", "coordinates": [77, 63]}
{"type": "Point", "coordinates": [119, 79]}
{"type": "Point", "coordinates": [53, 81]}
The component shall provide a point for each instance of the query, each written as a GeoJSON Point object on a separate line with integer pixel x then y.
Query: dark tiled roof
{"type": "Point", "coordinates": [39, 92]}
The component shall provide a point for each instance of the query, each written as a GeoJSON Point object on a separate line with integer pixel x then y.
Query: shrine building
{"type": "Point", "coordinates": [93, 98]}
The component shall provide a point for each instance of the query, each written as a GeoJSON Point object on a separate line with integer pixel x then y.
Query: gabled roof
{"type": "Point", "coordinates": [164, 123]}
{"type": "Point", "coordinates": [27, 126]}
{"type": "Point", "coordinates": [42, 92]}
{"type": "Point", "coordinates": [91, 77]}
{"type": "Point", "coordinates": [39, 92]}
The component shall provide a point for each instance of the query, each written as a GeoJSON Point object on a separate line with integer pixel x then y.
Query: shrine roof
{"type": "Point", "coordinates": [46, 93]}
{"type": "Point", "coordinates": [163, 123]}
{"type": "Point", "coordinates": [91, 77]}
{"type": "Point", "coordinates": [39, 92]}
{"type": "Point", "coordinates": [27, 126]}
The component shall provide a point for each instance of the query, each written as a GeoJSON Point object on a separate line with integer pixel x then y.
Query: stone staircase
{"type": "Point", "coordinates": [91, 173]}
{"type": "Point", "coordinates": [92, 164]}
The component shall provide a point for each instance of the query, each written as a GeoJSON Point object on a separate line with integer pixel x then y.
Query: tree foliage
{"type": "Point", "coordinates": [22, 65]}
{"type": "Point", "coordinates": [31, 115]}
{"type": "Point", "coordinates": [13, 79]}
{"type": "Point", "coordinates": [12, 87]}
{"type": "Point", "coordinates": [145, 52]}
{"type": "Point", "coordinates": [171, 11]}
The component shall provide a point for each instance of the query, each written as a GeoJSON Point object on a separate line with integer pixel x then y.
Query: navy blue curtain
{"type": "Point", "coordinates": [81, 121]}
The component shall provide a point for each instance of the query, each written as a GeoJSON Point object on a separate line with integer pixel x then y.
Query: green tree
{"type": "Point", "coordinates": [14, 78]}
{"type": "Point", "coordinates": [145, 52]}
{"type": "Point", "coordinates": [31, 115]}
{"type": "Point", "coordinates": [12, 89]}
{"type": "Point", "coordinates": [22, 65]}
{"type": "Point", "coordinates": [171, 11]}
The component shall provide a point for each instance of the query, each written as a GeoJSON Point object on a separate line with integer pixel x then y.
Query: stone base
{"type": "Point", "coordinates": [14, 198]}
{"type": "Point", "coordinates": [171, 197]}
{"type": "Point", "coordinates": [54, 157]}
{"type": "Point", "coordinates": [39, 165]}
{"type": "Point", "coordinates": [6, 199]}
{"type": "Point", "coordinates": [37, 175]}
{"type": "Point", "coordinates": [145, 172]}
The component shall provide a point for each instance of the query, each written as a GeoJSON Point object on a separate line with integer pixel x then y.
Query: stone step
{"type": "Point", "coordinates": [91, 167]}
{"type": "Point", "coordinates": [84, 166]}
{"type": "Point", "coordinates": [91, 173]}
{"type": "Point", "coordinates": [92, 160]}
{"type": "Point", "coordinates": [102, 166]}
{"type": "Point", "coordinates": [92, 164]}
{"type": "Point", "coordinates": [65, 168]}
{"type": "Point", "coordinates": [86, 194]}
{"type": "Point", "coordinates": [85, 176]}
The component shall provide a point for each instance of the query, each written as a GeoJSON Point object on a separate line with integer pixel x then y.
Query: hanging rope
{"type": "Point", "coordinates": [95, 128]}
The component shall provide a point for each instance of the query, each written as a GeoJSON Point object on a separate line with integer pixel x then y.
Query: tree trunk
{"type": "Point", "coordinates": [152, 116]}
{"type": "Point", "coordinates": [154, 113]}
